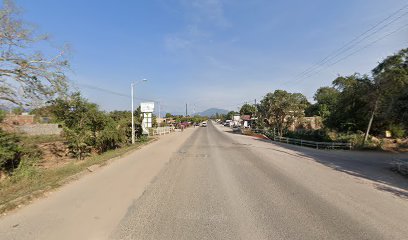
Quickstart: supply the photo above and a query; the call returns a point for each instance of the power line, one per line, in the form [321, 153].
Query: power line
[102, 90]
[353, 53]
[368, 45]
[327, 60]
[351, 44]
[353, 40]
[111, 92]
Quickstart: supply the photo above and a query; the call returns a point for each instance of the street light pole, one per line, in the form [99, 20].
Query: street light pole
[132, 85]
[133, 120]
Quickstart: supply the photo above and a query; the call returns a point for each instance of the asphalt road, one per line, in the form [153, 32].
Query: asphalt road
[212, 184]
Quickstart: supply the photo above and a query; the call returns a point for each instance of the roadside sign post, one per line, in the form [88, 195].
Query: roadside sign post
[147, 109]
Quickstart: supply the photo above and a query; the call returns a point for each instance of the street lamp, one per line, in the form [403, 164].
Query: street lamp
[133, 120]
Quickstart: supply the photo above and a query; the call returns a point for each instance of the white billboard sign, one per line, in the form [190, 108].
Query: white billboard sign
[147, 107]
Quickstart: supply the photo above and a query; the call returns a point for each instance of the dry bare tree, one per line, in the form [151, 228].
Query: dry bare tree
[27, 75]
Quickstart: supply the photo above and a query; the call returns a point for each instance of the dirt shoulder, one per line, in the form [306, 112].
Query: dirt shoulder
[90, 207]
[52, 173]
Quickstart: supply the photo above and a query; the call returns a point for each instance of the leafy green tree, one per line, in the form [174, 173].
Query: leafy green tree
[390, 81]
[75, 115]
[247, 109]
[154, 121]
[10, 151]
[281, 109]
[78, 142]
[231, 114]
[350, 110]
[369, 103]
[2, 115]
[312, 110]
[123, 120]
[112, 136]
[326, 100]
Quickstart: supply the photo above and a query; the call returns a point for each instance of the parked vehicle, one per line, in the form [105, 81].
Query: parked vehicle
[236, 128]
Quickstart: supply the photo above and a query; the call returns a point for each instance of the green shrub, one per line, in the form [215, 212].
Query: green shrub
[78, 142]
[111, 137]
[10, 151]
[26, 168]
[2, 115]
[320, 135]
[397, 131]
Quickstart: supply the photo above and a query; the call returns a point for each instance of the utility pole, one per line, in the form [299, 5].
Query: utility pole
[133, 120]
[159, 109]
[256, 108]
[186, 109]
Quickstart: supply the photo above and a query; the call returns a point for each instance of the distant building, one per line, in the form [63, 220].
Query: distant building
[26, 124]
[23, 119]
[165, 121]
[247, 121]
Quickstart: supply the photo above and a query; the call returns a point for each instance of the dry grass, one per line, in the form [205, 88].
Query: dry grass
[18, 190]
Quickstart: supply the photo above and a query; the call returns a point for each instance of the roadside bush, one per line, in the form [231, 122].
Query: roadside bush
[2, 115]
[111, 137]
[78, 142]
[397, 131]
[311, 135]
[26, 168]
[357, 140]
[10, 151]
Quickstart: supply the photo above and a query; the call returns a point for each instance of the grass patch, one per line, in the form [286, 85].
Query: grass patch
[23, 186]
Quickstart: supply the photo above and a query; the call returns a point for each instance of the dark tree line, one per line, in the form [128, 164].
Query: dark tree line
[357, 103]
[370, 103]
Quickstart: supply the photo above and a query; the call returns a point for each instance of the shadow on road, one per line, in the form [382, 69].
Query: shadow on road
[374, 166]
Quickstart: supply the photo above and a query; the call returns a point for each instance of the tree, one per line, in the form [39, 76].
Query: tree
[350, 109]
[326, 99]
[76, 115]
[2, 115]
[281, 109]
[390, 79]
[18, 110]
[231, 114]
[10, 150]
[112, 136]
[247, 109]
[168, 115]
[27, 76]
[154, 121]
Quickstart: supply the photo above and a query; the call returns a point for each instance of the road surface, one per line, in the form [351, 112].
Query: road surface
[207, 183]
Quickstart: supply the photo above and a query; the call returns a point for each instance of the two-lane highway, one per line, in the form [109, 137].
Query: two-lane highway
[217, 185]
[217, 188]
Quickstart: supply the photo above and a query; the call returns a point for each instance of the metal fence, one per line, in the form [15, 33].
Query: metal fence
[317, 145]
[161, 130]
[400, 165]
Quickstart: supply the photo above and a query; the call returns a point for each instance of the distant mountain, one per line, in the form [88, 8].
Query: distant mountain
[212, 111]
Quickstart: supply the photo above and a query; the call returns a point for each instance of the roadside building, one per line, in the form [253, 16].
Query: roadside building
[26, 123]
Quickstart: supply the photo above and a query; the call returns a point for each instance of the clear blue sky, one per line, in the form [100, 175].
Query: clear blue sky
[211, 53]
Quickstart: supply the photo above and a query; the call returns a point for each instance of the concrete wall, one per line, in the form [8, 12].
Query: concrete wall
[40, 129]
